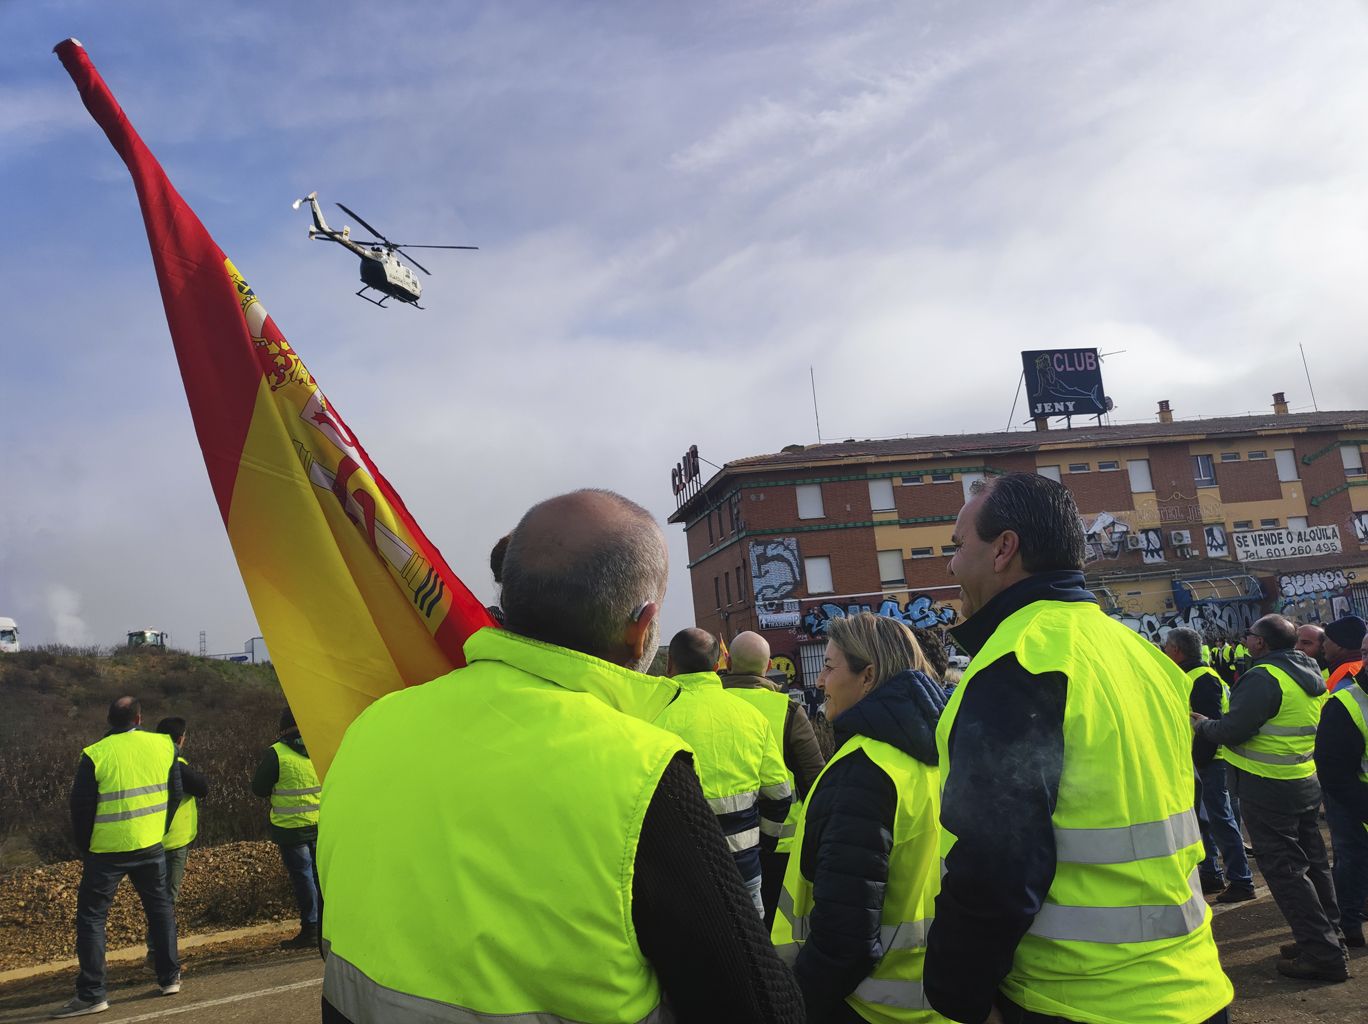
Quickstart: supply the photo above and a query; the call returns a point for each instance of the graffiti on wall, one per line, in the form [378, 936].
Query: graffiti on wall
[1314, 596]
[1151, 546]
[920, 611]
[1231, 618]
[1360, 523]
[1104, 537]
[1217, 546]
[775, 568]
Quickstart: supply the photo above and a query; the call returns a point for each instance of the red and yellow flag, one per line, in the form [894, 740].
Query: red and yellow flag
[352, 599]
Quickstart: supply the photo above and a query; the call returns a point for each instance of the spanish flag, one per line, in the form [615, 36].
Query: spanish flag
[352, 600]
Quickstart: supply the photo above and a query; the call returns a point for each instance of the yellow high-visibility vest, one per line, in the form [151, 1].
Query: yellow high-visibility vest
[294, 797]
[775, 707]
[1355, 701]
[892, 993]
[185, 822]
[132, 770]
[478, 841]
[1285, 745]
[1124, 934]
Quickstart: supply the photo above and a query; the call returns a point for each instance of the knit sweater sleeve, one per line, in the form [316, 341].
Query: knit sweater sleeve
[695, 920]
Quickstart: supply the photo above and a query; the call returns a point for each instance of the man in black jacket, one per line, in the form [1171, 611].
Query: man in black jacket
[1342, 764]
[1281, 813]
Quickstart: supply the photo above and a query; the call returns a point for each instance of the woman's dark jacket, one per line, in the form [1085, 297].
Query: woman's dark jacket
[848, 837]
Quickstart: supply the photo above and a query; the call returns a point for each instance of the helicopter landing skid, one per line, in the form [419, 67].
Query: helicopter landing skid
[381, 302]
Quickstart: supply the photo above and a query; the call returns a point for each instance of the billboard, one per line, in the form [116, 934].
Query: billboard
[1256, 545]
[1064, 382]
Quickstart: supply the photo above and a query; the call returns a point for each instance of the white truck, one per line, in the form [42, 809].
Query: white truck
[9, 636]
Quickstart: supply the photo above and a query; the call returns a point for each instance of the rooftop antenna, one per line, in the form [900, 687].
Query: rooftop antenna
[1308, 378]
[1012, 415]
[812, 377]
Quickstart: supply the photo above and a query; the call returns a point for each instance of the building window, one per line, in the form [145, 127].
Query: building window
[818, 575]
[1050, 472]
[911, 481]
[731, 518]
[717, 592]
[740, 593]
[949, 549]
[1230, 456]
[1079, 467]
[1268, 524]
[711, 538]
[810, 501]
[1255, 456]
[719, 523]
[1108, 467]
[891, 569]
[1139, 475]
[942, 476]
[1244, 524]
[726, 576]
[1287, 464]
[881, 495]
[921, 552]
[1353, 459]
[1202, 471]
[1296, 522]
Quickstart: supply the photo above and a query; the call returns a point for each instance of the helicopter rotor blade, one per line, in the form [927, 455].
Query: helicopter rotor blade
[424, 269]
[407, 245]
[362, 221]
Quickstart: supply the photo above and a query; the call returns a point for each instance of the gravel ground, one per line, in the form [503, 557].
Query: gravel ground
[225, 887]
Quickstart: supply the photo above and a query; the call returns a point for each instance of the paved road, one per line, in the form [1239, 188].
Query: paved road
[245, 985]
[233, 987]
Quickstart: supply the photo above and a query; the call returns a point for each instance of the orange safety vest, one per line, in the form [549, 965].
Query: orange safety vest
[1342, 672]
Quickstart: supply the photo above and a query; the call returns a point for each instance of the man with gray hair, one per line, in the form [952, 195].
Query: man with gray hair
[746, 678]
[1220, 829]
[515, 838]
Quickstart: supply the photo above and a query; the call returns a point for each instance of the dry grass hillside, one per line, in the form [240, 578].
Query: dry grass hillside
[53, 703]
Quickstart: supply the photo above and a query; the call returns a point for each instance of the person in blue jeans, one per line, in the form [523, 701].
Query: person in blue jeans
[287, 778]
[1220, 827]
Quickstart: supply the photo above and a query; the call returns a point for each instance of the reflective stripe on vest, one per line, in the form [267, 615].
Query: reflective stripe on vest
[775, 707]
[1284, 746]
[297, 783]
[892, 992]
[185, 823]
[132, 770]
[358, 998]
[1122, 934]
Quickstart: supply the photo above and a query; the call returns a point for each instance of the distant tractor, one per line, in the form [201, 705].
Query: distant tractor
[154, 638]
[9, 636]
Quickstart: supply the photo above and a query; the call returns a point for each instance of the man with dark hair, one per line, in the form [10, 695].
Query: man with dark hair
[1268, 739]
[184, 823]
[1069, 838]
[803, 761]
[125, 794]
[1210, 697]
[516, 837]
[737, 754]
[285, 776]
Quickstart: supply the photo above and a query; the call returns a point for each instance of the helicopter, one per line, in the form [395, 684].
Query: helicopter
[382, 270]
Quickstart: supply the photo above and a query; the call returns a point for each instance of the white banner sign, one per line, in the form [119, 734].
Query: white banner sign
[778, 614]
[1257, 545]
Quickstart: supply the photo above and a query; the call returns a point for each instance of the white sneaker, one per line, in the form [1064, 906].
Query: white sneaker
[171, 987]
[79, 1007]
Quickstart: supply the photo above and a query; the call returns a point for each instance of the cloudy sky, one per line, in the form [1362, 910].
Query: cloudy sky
[680, 208]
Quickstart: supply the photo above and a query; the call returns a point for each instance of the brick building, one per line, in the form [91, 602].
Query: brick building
[1208, 523]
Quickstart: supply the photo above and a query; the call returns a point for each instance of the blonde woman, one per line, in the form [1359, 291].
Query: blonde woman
[858, 897]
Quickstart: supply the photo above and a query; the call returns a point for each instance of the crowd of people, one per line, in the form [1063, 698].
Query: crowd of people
[550, 834]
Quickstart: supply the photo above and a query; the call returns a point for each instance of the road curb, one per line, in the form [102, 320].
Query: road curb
[139, 951]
